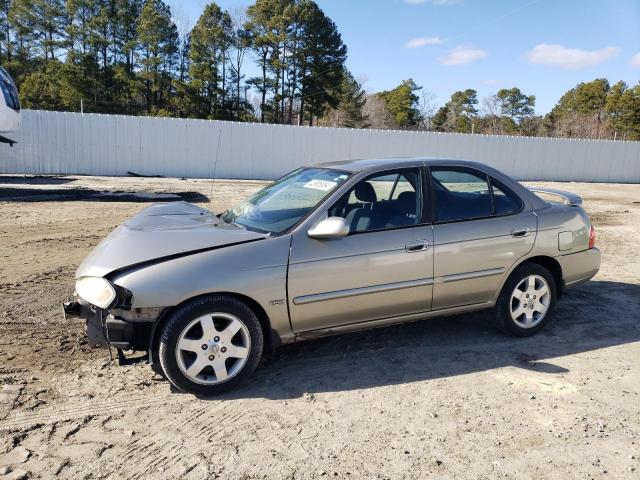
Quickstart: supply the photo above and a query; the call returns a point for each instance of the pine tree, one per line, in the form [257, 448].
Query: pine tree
[351, 104]
[402, 102]
[40, 24]
[5, 32]
[323, 55]
[210, 43]
[158, 38]
[265, 20]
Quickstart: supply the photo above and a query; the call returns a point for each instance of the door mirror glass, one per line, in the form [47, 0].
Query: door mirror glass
[332, 227]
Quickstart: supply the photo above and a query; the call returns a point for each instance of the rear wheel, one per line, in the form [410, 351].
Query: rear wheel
[210, 345]
[527, 300]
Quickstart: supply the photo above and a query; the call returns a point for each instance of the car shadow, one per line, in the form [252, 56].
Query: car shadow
[594, 316]
[35, 180]
[18, 194]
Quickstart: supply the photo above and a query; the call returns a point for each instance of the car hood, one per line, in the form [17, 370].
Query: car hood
[162, 230]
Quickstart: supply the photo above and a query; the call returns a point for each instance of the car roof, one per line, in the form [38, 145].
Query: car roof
[366, 164]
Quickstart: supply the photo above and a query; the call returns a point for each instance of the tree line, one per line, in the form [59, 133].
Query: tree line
[130, 56]
[593, 110]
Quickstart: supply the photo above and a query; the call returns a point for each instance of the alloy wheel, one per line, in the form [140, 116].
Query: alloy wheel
[213, 348]
[530, 301]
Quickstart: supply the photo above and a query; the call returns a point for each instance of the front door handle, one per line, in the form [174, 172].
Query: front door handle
[417, 246]
[520, 232]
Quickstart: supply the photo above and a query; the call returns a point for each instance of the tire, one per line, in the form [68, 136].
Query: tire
[233, 340]
[526, 316]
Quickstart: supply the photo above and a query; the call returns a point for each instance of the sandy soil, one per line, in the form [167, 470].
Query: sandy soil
[446, 398]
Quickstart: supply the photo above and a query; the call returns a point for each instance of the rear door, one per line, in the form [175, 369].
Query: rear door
[382, 269]
[480, 230]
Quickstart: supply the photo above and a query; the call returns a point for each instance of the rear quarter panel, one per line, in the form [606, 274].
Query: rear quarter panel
[566, 227]
[562, 230]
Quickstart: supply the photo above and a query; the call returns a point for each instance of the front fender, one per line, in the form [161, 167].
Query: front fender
[257, 270]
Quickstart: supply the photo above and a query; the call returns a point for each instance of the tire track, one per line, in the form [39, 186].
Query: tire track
[160, 453]
[59, 413]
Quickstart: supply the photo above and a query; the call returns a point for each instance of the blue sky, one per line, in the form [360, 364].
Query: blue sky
[544, 47]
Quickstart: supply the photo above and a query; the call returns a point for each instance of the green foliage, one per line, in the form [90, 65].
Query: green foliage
[402, 102]
[5, 32]
[41, 23]
[42, 88]
[158, 39]
[126, 56]
[210, 42]
[266, 26]
[597, 110]
[627, 115]
[352, 99]
[458, 114]
[514, 104]
[349, 112]
[301, 58]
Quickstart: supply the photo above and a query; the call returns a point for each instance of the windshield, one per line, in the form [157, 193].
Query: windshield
[281, 205]
[9, 90]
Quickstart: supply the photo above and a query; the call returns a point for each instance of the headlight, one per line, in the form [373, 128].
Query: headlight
[97, 291]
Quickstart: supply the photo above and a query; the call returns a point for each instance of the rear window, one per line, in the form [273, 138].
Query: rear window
[504, 202]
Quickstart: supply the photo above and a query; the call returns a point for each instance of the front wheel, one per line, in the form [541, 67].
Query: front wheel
[210, 345]
[527, 300]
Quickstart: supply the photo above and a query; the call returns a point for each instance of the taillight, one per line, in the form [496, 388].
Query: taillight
[592, 237]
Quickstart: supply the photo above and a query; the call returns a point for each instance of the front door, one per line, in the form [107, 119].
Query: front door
[382, 269]
[480, 231]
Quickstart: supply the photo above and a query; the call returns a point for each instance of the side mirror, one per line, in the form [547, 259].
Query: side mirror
[332, 227]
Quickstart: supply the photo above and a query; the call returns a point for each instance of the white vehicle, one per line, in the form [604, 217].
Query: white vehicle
[9, 107]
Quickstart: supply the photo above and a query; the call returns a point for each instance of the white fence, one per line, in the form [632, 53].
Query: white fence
[92, 144]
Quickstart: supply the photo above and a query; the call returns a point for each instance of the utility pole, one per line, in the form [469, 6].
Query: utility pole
[81, 106]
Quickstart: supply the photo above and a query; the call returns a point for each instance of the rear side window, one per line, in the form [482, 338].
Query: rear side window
[504, 202]
[460, 195]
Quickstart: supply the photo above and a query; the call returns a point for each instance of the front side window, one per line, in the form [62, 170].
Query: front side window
[282, 204]
[384, 201]
[460, 195]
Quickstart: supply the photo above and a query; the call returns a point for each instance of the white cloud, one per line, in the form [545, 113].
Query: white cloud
[635, 60]
[569, 58]
[434, 2]
[423, 42]
[462, 55]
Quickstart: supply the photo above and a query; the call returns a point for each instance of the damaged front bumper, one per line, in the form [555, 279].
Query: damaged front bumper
[94, 321]
[109, 329]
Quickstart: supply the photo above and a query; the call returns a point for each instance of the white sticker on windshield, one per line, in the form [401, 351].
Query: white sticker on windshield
[324, 185]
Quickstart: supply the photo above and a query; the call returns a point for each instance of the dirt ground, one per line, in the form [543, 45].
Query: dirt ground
[445, 398]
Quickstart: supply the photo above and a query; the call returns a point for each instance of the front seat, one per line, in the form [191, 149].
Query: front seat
[405, 212]
[359, 219]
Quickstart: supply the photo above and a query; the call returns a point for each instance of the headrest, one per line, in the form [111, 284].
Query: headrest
[365, 192]
[407, 200]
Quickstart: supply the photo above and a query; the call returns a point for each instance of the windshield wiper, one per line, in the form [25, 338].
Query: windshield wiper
[224, 218]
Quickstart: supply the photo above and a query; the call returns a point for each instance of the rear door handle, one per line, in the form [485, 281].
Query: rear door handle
[520, 232]
[417, 246]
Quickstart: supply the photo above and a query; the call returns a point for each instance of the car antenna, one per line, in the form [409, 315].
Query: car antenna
[215, 164]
